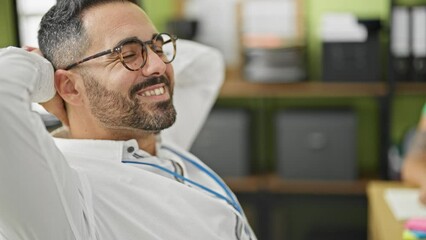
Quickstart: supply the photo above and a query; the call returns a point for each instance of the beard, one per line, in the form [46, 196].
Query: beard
[116, 111]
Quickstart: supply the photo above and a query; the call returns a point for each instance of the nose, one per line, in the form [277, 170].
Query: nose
[154, 65]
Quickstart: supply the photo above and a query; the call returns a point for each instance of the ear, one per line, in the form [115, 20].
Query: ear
[68, 86]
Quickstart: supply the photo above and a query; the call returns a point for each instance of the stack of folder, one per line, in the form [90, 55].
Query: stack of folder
[415, 229]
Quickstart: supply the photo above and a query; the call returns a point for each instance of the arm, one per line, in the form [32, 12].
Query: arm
[39, 193]
[199, 74]
[414, 165]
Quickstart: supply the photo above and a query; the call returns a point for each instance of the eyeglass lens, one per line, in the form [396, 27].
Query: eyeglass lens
[134, 53]
[164, 47]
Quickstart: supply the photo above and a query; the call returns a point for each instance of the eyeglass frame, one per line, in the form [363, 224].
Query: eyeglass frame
[119, 46]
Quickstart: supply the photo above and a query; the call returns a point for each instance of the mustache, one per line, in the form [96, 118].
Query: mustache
[149, 82]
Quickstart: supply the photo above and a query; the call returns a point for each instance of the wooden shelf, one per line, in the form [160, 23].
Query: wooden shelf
[235, 86]
[410, 88]
[277, 185]
[250, 184]
[274, 184]
[232, 89]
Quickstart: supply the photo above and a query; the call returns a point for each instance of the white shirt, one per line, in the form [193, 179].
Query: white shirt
[84, 190]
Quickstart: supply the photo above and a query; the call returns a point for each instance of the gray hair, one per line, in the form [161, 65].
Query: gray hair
[62, 38]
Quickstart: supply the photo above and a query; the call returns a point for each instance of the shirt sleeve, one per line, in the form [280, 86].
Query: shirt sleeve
[199, 74]
[40, 195]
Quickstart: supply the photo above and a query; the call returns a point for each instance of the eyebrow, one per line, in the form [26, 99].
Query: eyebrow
[125, 40]
[111, 55]
[134, 38]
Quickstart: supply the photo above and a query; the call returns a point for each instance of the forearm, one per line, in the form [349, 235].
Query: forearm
[414, 166]
[39, 193]
[199, 72]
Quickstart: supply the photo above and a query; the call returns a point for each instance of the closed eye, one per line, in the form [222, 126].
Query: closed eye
[157, 49]
[128, 57]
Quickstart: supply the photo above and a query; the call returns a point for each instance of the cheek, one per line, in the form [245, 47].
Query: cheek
[170, 74]
[120, 81]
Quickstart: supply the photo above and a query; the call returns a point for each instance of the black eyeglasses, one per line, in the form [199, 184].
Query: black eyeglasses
[133, 52]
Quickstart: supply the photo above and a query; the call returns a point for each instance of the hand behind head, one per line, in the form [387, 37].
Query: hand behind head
[33, 50]
[422, 196]
[55, 105]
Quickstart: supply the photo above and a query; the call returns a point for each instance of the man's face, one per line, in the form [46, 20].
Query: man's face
[117, 97]
[117, 111]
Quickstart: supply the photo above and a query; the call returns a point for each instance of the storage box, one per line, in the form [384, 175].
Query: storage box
[223, 143]
[354, 60]
[274, 65]
[316, 144]
[351, 62]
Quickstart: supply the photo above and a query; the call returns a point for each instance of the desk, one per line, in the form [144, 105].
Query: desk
[381, 223]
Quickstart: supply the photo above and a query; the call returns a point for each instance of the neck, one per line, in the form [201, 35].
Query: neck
[89, 128]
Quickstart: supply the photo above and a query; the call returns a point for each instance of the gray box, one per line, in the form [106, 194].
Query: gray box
[274, 65]
[354, 61]
[351, 61]
[223, 143]
[316, 144]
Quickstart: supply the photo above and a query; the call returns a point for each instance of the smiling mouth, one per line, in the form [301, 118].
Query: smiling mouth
[153, 92]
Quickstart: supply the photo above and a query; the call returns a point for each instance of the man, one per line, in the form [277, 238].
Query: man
[113, 177]
[414, 165]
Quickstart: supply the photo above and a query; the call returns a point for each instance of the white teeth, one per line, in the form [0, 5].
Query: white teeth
[155, 92]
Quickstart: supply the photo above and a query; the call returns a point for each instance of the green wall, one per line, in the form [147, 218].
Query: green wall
[7, 24]
[406, 113]
[160, 11]
[410, 2]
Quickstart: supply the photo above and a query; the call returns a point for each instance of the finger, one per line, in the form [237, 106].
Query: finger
[61, 115]
[37, 51]
[63, 118]
[60, 111]
[423, 197]
[32, 50]
[28, 48]
[56, 107]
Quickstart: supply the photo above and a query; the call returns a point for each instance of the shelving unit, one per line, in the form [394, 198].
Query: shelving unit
[268, 197]
[263, 190]
[410, 88]
[236, 86]
[269, 192]
[266, 193]
[275, 185]
[245, 89]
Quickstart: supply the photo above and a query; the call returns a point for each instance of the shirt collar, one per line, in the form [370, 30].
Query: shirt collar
[109, 150]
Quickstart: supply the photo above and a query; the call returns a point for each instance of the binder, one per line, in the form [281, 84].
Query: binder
[419, 43]
[400, 43]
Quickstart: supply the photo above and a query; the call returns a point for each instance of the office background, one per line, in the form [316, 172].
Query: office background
[299, 141]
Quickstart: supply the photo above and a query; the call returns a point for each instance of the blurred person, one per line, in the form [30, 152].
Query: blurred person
[414, 164]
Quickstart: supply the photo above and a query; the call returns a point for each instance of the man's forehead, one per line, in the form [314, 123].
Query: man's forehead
[111, 23]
